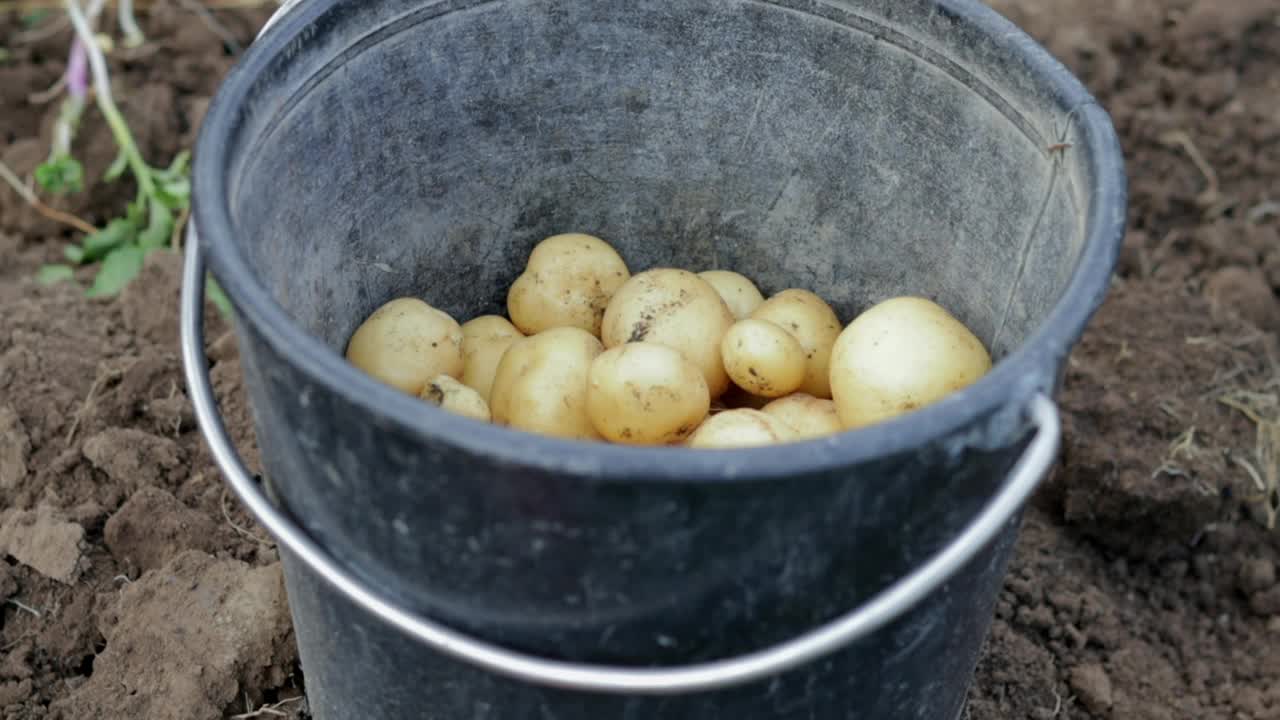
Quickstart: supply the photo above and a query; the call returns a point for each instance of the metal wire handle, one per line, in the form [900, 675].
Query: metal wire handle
[285, 7]
[872, 615]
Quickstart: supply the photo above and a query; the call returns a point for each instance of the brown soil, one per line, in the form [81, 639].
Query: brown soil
[1145, 584]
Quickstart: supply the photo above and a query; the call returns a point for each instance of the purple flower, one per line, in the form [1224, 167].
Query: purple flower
[78, 71]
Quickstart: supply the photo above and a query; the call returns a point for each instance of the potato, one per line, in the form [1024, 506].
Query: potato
[674, 308]
[541, 384]
[488, 327]
[568, 282]
[449, 394]
[484, 340]
[899, 356]
[762, 358]
[405, 343]
[740, 429]
[646, 394]
[811, 321]
[811, 417]
[740, 294]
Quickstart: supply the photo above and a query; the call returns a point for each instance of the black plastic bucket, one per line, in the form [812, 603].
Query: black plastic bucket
[442, 568]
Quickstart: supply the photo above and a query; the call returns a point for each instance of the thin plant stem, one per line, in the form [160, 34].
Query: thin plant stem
[106, 101]
[11, 178]
[133, 36]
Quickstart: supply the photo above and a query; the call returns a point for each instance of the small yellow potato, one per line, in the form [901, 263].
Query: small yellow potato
[541, 384]
[646, 394]
[762, 358]
[811, 417]
[449, 394]
[740, 429]
[484, 341]
[488, 327]
[675, 308]
[405, 343]
[900, 356]
[568, 282]
[811, 321]
[739, 293]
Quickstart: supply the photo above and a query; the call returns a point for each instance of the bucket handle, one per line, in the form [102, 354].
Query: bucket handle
[881, 609]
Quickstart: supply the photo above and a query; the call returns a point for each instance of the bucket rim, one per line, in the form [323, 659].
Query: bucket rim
[1028, 369]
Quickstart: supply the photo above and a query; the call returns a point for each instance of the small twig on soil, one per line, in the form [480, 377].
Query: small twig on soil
[272, 709]
[1181, 138]
[1057, 705]
[1184, 444]
[48, 95]
[1250, 470]
[22, 606]
[1265, 470]
[29, 195]
[215, 26]
[18, 641]
[102, 379]
[84, 407]
[1171, 407]
[226, 514]
[1263, 211]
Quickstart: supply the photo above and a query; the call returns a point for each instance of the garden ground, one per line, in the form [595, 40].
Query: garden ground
[1144, 586]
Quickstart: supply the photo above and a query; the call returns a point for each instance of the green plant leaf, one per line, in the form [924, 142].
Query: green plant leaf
[74, 254]
[159, 228]
[62, 175]
[117, 233]
[176, 194]
[118, 166]
[120, 267]
[136, 211]
[54, 274]
[173, 186]
[214, 293]
[178, 168]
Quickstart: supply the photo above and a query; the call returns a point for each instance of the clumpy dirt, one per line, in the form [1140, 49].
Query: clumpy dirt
[131, 586]
[1145, 581]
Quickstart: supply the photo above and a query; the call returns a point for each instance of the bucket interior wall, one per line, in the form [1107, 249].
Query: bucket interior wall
[804, 144]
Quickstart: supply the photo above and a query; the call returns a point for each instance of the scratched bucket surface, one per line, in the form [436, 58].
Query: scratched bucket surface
[363, 151]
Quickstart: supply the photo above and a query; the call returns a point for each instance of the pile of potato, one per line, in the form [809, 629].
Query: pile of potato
[667, 356]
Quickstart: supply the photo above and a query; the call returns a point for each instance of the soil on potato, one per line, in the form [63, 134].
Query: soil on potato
[1145, 581]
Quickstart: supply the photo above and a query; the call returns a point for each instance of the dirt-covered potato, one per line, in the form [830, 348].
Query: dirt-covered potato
[405, 343]
[740, 429]
[899, 356]
[568, 282]
[447, 393]
[541, 384]
[762, 358]
[484, 340]
[675, 308]
[811, 417]
[739, 293]
[811, 321]
[646, 394]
